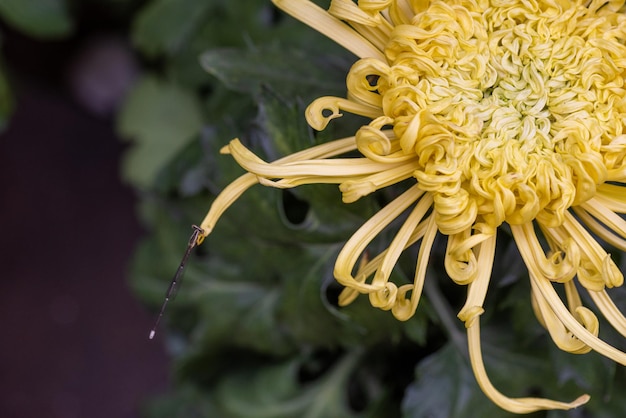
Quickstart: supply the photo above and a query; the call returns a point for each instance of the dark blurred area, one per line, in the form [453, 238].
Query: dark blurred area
[74, 339]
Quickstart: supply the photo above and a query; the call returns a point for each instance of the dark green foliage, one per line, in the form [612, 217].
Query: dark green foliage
[42, 18]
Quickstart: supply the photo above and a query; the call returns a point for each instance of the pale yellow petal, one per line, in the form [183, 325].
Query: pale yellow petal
[461, 266]
[515, 405]
[227, 197]
[613, 197]
[234, 190]
[611, 228]
[602, 262]
[372, 26]
[405, 308]
[316, 112]
[545, 288]
[352, 250]
[368, 266]
[319, 19]
[354, 189]
[395, 249]
[477, 290]
[609, 310]
[336, 167]
[562, 337]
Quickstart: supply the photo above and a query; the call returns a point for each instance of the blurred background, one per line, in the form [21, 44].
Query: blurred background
[74, 339]
[96, 97]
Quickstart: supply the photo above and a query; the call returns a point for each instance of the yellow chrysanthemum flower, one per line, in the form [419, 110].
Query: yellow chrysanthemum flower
[499, 112]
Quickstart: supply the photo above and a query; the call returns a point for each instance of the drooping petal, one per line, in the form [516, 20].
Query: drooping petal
[352, 250]
[549, 302]
[477, 289]
[515, 405]
[609, 310]
[562, 337]
[571, 323]
[609, 273]
[383, 298]
[612, 228]
[405, 308]
[368, 266]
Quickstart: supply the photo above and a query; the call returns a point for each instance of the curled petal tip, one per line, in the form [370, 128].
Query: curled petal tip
[580, 401]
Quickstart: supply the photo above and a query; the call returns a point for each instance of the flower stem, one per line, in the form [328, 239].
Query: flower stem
[446, 315]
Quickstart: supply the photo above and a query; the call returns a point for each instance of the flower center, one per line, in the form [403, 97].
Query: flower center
[510, 108]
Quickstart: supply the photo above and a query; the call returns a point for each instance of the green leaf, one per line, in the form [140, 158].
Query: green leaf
[164, 26]
[445, 385]
[160, 118]
[590, 373]
[445, 388]
[312, 318]
[38, 18]
[290, 72]
[239, 313]
[275, 392]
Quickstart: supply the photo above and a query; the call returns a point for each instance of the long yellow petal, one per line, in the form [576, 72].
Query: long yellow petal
[368, 266]
[612, 196]
[234, 190]
[404, 309]
[319, 19]
[515, 405]
[568, 320]
[477, 289]
[399, 242]
[609, 310]
[336, 167]
[611, 227]
[352, 250]
[562, 337]
[611, 275]
[372, 26]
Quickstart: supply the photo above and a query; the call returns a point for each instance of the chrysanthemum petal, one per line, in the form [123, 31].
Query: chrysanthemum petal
[461, 266]
[315, 112]
[477, 290]
[352, 250]
[234, 190]
[602, 262]
[227, 197]
[398, 243]
[515, 405]
[403, 308]
[372, 26]
[589, 213]
[609, 310]
[367, 267]
[613, 197]
[336, 167]
[319, 19]
[545, 288]
[562, 337]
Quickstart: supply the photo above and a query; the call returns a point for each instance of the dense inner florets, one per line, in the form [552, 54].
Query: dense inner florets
[511, 108]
